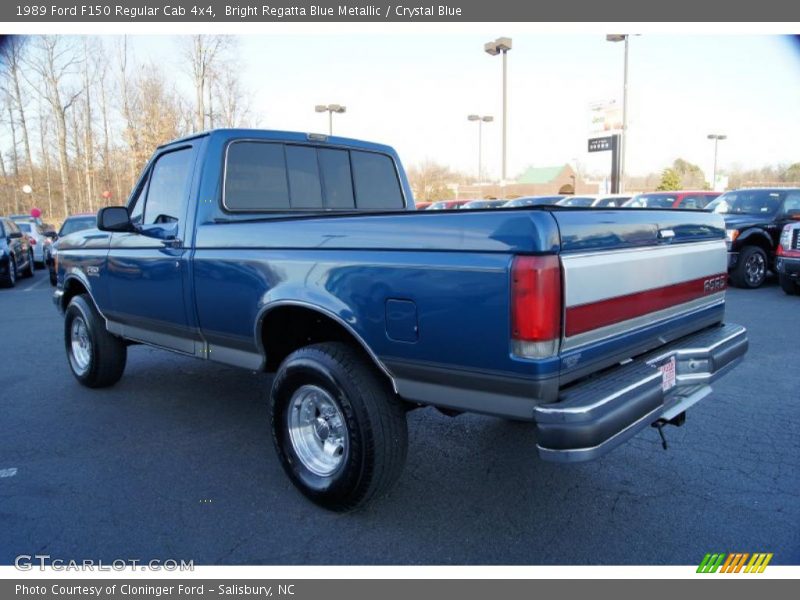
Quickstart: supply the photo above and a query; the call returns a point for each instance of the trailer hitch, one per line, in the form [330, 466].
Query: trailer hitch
[659, 424]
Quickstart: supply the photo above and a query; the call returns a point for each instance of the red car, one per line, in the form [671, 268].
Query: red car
[677, 199]
[422, 205]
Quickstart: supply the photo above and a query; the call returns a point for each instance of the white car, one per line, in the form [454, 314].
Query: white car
[595, 200]
[39, 241]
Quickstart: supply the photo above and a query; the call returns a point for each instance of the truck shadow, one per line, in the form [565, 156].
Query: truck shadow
[473, 491]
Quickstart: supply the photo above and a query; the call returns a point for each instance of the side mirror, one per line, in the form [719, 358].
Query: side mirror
[114, 218]
[14, 235]
[51, 234]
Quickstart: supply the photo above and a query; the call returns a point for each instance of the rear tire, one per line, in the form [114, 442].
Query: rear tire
[10, 278]
[751, 270]
[789, 285]
[31, 267]
[96, 358]
[339, 430]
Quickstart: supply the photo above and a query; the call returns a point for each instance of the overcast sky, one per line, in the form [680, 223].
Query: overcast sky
[414, 92]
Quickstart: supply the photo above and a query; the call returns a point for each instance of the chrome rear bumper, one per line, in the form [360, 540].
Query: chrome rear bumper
[599, 413]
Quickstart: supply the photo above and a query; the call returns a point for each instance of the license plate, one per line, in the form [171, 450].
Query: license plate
[668, 374]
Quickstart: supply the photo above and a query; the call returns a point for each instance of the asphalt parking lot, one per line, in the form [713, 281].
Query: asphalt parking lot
[175, 462]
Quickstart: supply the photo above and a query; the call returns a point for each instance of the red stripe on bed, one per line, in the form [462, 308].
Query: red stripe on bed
[613, 310]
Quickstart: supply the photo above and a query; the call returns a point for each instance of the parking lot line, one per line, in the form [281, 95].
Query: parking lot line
[34, 285]
[8, 472]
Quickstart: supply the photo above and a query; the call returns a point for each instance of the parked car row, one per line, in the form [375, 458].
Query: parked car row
[681, 199]
[754, 219]
[27, 242]
[16, 253]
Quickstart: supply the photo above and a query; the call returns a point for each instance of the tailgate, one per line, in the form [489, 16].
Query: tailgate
[636, 279]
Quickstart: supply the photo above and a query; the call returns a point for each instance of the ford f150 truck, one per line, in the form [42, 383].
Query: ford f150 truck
[303, 255]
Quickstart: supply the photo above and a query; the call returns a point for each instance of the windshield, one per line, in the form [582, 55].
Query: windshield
[26, 227]
[748, 202]
[652, 201]
[77, 224]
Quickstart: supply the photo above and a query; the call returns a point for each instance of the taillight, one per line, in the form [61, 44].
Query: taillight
[535, 306]
[786, 238]
[32, 241]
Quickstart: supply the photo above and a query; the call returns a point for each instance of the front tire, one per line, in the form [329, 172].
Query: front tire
[751, 270]
[339, 430]
[96, 358]
[789, 285]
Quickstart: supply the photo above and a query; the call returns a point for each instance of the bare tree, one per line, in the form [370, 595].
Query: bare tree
[89, 49]
[203, 54]
[11, 57]
[102, 81]
[429, 180]
[54, 61]
[45, 156]
[233, 108]
[14, 154]
[131, 135]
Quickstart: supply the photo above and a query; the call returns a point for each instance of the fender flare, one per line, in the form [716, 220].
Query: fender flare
[269, 307]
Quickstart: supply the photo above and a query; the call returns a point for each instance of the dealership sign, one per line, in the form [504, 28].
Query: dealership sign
[605, 117]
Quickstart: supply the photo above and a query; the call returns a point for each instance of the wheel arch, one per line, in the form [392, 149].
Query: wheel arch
[284, 326]
[756, 237]
[74, 285]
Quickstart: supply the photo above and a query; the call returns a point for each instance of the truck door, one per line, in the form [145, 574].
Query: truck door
[147, 268]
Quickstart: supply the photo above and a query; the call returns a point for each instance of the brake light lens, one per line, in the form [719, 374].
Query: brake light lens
[32, 241]
[535, 306]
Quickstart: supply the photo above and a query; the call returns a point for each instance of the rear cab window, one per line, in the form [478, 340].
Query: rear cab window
[273, 176]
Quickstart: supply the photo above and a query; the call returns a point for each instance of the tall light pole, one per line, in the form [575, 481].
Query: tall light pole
[481, 120]
[502, 45]
[622, 37]
[716, 137]
[330, 109]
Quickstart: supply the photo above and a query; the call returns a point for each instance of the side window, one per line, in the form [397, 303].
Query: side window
[136, 205]
[2, 230]
[336, 179]
[791, 206]
[304, 185]
[255, 177]
[375, 181]
[169, 184]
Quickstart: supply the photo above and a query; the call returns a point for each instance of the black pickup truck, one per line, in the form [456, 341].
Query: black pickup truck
[754, 219]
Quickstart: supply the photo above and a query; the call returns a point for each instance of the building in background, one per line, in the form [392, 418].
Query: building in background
[534, 181]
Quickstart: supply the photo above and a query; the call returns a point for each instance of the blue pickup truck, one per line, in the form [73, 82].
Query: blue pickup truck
[303, 255]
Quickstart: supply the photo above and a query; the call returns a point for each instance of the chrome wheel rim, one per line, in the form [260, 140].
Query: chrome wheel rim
[317, 430]
[755, 268]
[80, 345]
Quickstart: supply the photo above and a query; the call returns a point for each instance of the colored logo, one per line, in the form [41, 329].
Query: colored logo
[735, 562]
